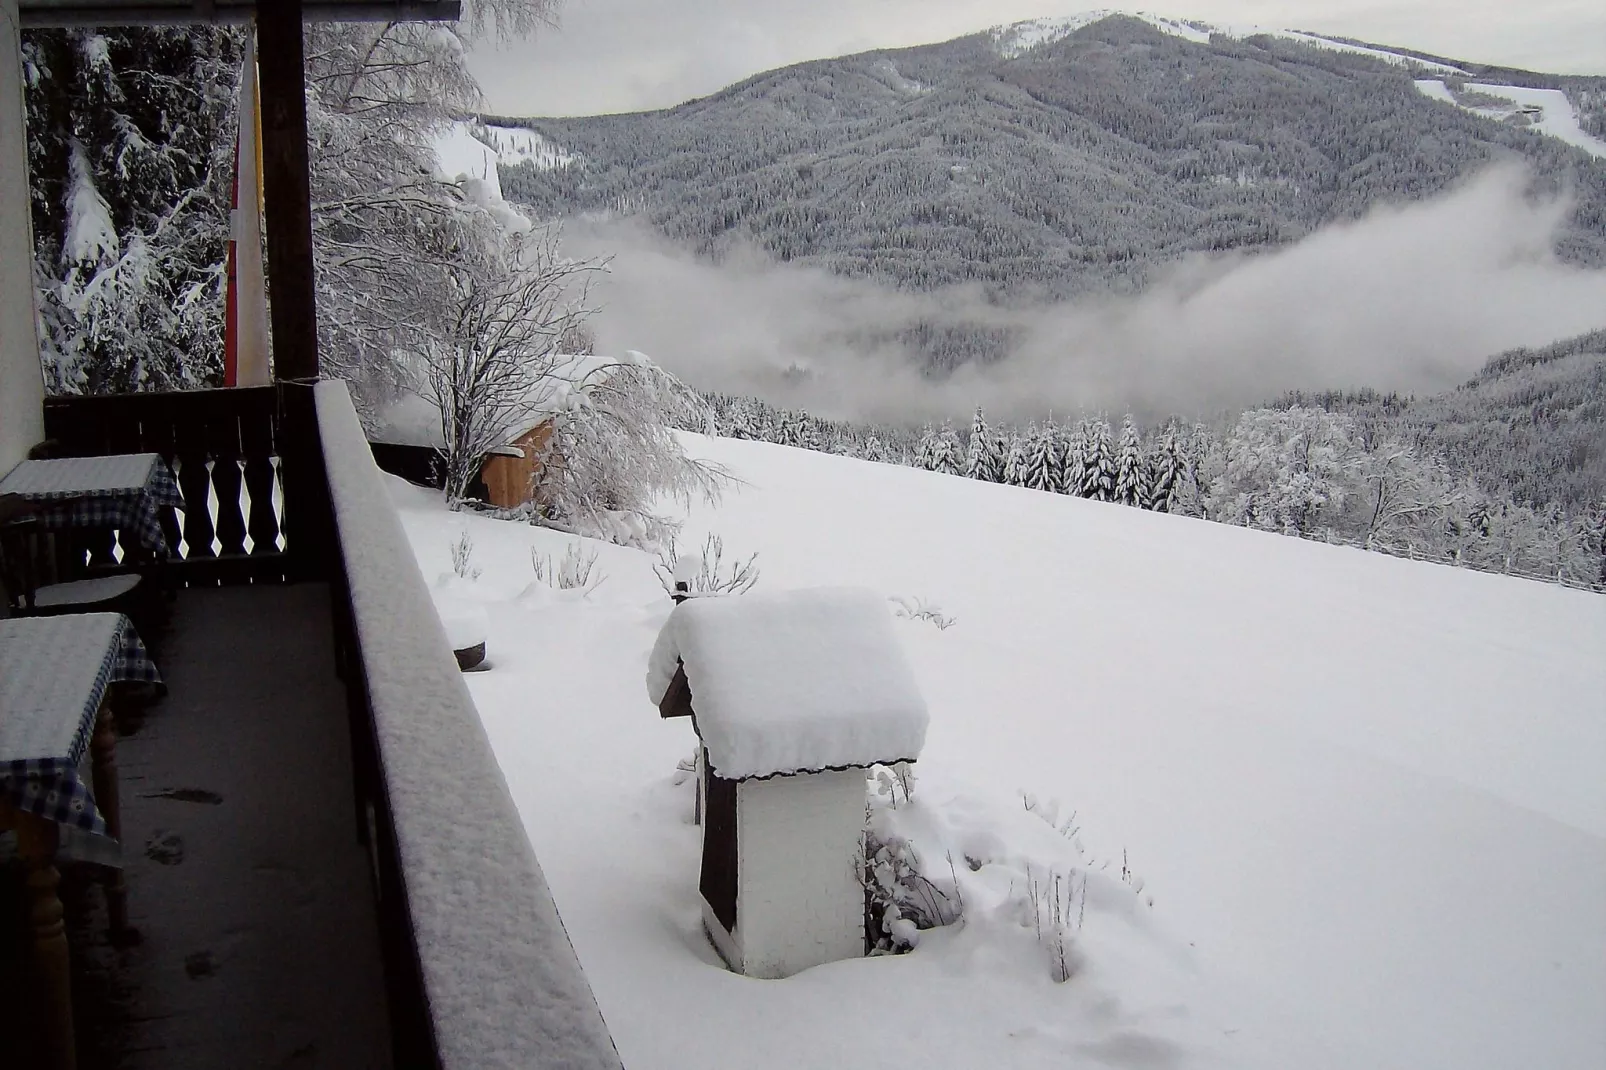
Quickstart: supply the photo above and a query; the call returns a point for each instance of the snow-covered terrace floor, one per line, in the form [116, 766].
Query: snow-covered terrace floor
[248, 886]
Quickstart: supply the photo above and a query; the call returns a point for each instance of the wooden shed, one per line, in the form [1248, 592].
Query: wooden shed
[793, 696]
[511, 473]
[407, 437]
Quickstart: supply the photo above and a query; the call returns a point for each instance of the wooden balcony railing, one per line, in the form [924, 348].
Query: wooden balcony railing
[227, 449]
[279, 486]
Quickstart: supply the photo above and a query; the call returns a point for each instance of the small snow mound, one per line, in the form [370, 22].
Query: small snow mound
[793, 681]
[465, 621]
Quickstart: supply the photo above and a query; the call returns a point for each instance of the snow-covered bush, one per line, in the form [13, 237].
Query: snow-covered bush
[707, 573]
[463, 557]
[1059, 907]
[920, 609]
[576, 571]
[614, 455]
[899, 900]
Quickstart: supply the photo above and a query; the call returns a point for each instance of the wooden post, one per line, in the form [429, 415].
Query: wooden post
[103, 759]
[36, 843]
[287, 191]
[22, 383]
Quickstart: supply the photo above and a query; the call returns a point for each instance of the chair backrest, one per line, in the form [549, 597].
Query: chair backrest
[19, 563]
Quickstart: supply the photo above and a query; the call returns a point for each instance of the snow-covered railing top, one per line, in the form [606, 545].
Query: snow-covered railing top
[790, 682]
[503, 984]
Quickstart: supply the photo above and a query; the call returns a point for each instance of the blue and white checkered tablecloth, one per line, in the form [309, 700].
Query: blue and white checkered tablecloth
[125, 492]
[53, 675]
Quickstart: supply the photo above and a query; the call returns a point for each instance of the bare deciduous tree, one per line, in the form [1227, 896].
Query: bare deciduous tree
[508, 307]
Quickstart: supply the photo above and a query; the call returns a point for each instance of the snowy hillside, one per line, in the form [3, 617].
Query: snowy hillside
[1324, 808]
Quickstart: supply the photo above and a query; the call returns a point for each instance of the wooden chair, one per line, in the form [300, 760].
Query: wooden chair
[30, 584]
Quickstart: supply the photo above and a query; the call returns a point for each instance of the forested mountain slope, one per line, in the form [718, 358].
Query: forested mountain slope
[1530, 426]
[1075, 165]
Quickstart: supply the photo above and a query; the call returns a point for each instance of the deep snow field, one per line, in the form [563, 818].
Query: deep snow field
[1366, 797]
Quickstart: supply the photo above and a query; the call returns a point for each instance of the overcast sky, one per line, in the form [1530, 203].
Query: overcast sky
[626, 55]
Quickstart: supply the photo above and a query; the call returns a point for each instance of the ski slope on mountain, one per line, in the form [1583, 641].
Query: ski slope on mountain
[1358, 801]
[1549, 111]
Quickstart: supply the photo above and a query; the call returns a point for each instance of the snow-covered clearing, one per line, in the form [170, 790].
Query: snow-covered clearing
[1435, 88]
[1549, 109]
[1365, 795]
[461, 155]
[515, 144]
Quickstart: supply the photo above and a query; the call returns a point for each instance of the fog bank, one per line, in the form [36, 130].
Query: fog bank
[1411, 298]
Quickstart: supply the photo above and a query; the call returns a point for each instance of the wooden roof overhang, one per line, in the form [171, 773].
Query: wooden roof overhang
[40, 13]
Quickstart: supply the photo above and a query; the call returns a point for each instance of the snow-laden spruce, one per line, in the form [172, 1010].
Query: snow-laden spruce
[793, 681]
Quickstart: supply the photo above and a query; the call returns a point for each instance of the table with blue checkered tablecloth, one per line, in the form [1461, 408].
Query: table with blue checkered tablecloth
[54, 672]
[124, 492]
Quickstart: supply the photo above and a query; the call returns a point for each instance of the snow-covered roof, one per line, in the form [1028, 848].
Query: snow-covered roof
[414, 420]
[793, 681]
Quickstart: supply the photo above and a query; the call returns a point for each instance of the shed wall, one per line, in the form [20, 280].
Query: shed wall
[799, 898]
[510, 481]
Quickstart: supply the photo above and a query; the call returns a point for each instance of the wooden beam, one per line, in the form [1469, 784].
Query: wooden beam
[43, 13]
[22, 383]
[677, 699]
[287, 192]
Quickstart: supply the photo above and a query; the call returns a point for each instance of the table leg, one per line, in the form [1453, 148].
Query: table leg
[103, 759]
[36, 843]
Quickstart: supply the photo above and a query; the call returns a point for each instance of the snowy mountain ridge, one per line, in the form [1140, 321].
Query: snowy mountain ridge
[1018, 38]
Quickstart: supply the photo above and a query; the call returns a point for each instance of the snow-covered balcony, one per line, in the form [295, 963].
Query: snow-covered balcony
[322, 857]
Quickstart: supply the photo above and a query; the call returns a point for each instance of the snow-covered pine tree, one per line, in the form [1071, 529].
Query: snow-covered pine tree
[1595, 525]
[926, 452]
[130, 133]
[1098, 462]
[950, 456]
[1166, 472]
[1073, 445]
[983, 458]
[1056, 459]
[789, 429]
[1016, 465]
[1130, 488]
[1042, 461]
[738, 420]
